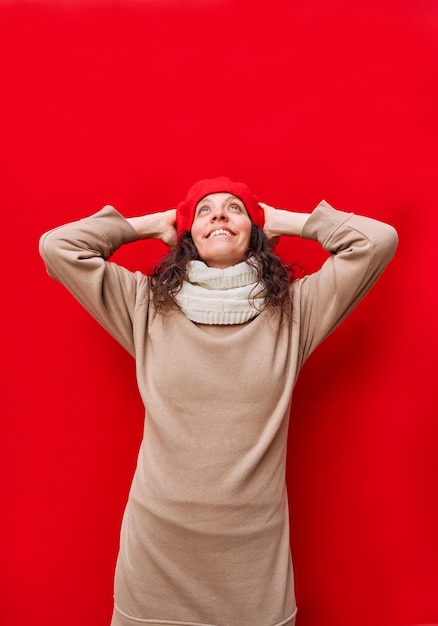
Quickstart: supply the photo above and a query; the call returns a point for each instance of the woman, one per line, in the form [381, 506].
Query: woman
[219, 334]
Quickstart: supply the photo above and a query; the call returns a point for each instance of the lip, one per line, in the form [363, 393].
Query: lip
[220, 228]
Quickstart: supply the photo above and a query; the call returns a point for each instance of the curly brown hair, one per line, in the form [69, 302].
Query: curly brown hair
[273, 274]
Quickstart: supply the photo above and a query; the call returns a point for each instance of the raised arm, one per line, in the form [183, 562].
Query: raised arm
[279, 222]
[77, 254]
[156, 226]
[360, 249]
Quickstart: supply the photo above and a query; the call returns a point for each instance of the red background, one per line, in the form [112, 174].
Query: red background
[129, 103]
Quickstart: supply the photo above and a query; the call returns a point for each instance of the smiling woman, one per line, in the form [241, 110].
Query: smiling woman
[206, 212]
[221, 230]
[205, 534]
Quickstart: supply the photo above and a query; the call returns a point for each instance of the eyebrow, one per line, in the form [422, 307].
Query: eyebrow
[230, 197]
[206, 200]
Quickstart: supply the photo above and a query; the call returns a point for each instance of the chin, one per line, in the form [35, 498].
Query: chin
[221, 263]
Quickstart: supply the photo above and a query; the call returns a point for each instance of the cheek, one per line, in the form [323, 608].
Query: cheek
[248, 236]
[195, 235]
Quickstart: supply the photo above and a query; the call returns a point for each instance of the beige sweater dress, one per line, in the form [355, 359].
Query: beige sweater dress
[205, 534]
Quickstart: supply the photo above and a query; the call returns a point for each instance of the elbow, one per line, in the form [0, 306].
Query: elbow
[42, 246]
[391, 240]
[385, 245]
[48, 250]
[45, 246]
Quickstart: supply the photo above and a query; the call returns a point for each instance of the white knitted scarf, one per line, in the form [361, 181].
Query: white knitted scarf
[221, 296]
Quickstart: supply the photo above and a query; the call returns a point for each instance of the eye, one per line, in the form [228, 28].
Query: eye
[235, 207]
[203, 209]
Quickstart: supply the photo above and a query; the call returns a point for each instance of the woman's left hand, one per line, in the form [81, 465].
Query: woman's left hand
[279, 222]
[268, 228]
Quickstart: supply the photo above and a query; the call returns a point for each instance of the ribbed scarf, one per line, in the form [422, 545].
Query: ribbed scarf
[221, 296]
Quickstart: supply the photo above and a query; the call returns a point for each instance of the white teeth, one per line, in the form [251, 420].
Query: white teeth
[220, 231]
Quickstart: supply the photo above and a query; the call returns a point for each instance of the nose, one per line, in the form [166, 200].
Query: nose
[218, 213]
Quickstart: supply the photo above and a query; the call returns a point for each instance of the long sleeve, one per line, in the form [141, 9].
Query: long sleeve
[76, 255]
[360, 249]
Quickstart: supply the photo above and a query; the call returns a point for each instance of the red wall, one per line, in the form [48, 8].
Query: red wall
[129, 103]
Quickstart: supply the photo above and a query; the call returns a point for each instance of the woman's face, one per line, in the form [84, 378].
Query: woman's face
[221, 230]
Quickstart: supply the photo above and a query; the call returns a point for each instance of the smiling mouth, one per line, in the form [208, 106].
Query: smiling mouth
[220, 231]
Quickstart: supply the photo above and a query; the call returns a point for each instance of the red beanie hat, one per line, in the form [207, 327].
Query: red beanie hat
[185, 211]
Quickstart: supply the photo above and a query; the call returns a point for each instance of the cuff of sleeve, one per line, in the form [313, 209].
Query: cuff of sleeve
[114, 226]
[324, 219]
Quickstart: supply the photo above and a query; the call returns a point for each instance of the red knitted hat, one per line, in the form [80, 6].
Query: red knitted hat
[185, 211]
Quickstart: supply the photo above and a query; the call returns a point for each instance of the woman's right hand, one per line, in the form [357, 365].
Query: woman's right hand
[160, 225]
[168, 234]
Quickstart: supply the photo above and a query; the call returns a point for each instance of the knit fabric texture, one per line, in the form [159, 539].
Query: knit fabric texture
[221, 296]
[185, 211]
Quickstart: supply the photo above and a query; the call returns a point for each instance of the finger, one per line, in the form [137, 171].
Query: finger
[266, 207]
